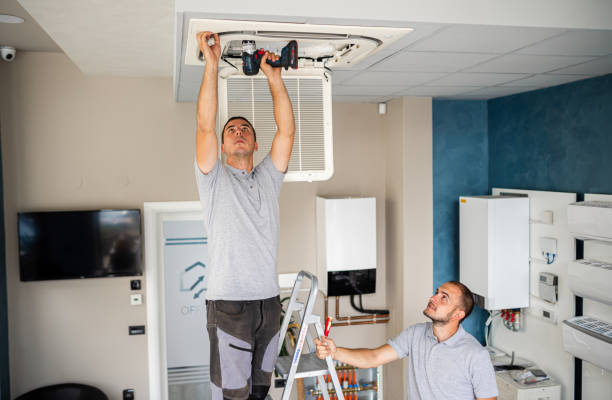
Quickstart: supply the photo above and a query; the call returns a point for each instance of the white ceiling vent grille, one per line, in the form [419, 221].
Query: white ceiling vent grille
[311, 159]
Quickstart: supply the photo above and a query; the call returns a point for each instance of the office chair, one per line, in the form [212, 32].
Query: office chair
[64, 391]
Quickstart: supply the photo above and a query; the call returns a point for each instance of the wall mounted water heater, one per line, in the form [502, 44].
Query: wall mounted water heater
[494, 250]
[346, 245]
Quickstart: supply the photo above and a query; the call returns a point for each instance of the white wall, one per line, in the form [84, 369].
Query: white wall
[76, 142]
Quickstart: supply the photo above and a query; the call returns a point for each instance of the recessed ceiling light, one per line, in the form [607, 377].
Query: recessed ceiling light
[10, 19]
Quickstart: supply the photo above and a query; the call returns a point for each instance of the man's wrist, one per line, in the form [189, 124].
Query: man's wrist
[275, 80]
[212, 66]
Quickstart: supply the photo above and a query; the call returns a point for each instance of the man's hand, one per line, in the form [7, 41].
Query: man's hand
[212, 54]
[325, 347]
[271, 72]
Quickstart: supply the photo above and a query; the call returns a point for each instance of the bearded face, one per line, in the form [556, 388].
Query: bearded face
[443, 306]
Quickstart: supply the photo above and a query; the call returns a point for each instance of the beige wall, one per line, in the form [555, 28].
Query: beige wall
[409, 211]
[76, 142]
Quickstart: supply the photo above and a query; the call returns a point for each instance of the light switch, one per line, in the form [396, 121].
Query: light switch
[136, 299]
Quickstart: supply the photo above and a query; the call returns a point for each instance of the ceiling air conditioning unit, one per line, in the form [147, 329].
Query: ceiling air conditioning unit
[321, 50]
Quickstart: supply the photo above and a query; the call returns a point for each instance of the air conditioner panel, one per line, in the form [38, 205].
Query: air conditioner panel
[341, 46]
[312, 155]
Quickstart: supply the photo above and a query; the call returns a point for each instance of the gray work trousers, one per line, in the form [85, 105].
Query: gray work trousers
[243, 347]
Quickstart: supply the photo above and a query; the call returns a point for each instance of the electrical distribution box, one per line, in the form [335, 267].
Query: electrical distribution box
[494, 249]
[346, 245]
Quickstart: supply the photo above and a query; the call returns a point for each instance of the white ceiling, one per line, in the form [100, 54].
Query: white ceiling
[27, 36]
[450, 54]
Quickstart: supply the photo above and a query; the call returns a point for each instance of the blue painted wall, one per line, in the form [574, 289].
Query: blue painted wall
[4, 349]
[557, 139]
[460, 167]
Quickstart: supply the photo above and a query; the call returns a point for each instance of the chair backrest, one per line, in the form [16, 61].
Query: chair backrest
[64, 391]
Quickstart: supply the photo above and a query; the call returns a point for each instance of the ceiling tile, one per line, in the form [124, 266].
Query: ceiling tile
[546, 80]
[600, 66]
[574, 43]
[421, 30]
[373, 59]
[484, 39]
[355, 90]
[339, 76]
[437, 91]
[399, 80]
[476, 79]
[430, 61]
[524, 63]
[358, 99]
[495, 91]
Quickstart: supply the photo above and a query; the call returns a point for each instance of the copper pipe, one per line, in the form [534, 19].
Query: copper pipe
[374, 321]
[356, 317]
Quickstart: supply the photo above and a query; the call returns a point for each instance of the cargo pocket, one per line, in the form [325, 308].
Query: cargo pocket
[235, 357]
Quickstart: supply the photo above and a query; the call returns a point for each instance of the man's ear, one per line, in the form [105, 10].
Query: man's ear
[458, 315]
[222, 148]
[256, 146]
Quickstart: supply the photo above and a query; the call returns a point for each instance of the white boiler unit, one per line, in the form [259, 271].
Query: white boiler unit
[346, 245]
[494, 249]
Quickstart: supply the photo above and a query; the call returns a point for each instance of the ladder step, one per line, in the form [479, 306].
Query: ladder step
[310, 365]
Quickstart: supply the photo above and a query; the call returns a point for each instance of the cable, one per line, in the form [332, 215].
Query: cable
[364, 311]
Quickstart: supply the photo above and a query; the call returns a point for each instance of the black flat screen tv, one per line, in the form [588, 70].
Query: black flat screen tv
[79, 244]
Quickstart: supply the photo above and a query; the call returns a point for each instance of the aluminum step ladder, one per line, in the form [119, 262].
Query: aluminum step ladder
[300, 364]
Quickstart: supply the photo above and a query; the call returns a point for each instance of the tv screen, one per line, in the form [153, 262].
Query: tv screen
[79, 244]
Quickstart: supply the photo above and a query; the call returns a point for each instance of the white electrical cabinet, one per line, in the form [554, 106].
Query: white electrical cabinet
[346, 245]
[509, 389]
[494, 249]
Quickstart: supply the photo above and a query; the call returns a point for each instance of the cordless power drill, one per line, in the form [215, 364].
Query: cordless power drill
[251, 57]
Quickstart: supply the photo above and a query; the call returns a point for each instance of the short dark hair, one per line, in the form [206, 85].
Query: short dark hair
[467, 298]
[233, 118]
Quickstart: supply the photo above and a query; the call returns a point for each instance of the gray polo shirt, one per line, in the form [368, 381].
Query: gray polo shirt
[458, 368]
[241, 218]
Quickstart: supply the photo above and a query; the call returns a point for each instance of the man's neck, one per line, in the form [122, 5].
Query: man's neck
[443, 331]
[240, 162]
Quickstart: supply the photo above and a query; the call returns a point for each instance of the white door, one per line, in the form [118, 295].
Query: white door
[176, 249]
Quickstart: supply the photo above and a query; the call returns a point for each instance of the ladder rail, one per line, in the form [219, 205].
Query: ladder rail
[304, 337]
[305, 316]
[287, 317]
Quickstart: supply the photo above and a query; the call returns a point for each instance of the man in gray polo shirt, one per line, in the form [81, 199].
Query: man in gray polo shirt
[445, 362]
[241, 216]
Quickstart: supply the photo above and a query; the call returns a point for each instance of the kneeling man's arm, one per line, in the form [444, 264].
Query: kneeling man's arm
[360, 358]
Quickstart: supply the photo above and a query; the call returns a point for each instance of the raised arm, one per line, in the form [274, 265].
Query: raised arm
[206, 138]
[283, 115]
[360, 358]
